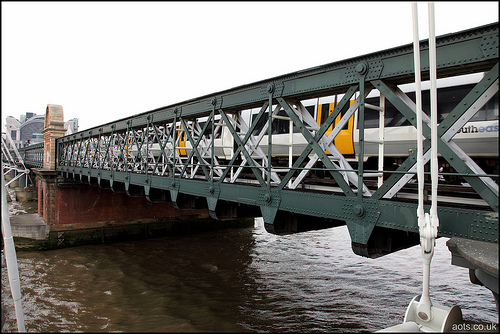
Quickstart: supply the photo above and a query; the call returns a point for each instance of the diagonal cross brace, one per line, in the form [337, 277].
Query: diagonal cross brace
[322, 130]
[194, 149]
[254, 147]
[241, 147]
[316, 147]
[162, 147]
[327, 143]
[448, 149]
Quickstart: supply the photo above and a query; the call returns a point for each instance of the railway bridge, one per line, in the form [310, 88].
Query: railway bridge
[224, 152]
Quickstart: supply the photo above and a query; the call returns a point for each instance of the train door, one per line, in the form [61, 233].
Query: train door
[182, 141]
[344, 140]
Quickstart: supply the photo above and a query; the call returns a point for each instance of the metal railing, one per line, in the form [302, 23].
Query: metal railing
[32, 155]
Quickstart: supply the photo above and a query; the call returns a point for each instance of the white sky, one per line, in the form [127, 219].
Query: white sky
[104, 61]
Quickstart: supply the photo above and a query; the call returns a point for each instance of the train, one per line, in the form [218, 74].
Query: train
[478, 137]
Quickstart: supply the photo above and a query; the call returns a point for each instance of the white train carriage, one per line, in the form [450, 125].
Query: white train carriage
[478, 138]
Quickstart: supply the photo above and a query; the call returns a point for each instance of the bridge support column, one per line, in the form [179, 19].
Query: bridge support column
[53, 129]
[46, 191]
[77, 213]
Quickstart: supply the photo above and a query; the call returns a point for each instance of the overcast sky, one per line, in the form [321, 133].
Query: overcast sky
[103, 61]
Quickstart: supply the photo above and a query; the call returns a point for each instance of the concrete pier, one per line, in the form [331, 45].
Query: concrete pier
[25, 194]
[29, 226]
[481, 258]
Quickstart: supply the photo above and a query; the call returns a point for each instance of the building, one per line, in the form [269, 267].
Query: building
[28, 130]
[12, 126]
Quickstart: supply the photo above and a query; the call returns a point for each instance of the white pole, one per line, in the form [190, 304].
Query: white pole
[434, 142]
[423, 309]
[11, 260]
[290, 148]
[418, 97]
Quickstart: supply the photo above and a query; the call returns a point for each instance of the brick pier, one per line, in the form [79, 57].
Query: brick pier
[77, 213]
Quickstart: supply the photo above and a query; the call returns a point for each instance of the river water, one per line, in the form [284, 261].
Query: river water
[235, 280]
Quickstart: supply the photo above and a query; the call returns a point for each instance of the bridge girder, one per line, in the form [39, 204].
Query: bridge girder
[177, 150]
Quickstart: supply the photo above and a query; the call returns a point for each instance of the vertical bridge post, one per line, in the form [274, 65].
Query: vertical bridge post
[53, 129]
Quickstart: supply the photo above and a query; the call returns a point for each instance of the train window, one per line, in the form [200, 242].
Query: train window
[392, 116]
[372, 116]
[260, 124]
[342, 113]
[310, 109]
[479, 116]
[281, 125]
[325, 112]
[208, 130]
[491, 109]
[448, 99]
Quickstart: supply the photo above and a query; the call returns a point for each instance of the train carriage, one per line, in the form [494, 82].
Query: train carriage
[478, 138]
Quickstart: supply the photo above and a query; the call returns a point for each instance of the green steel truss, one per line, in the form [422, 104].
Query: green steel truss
[146, 151]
